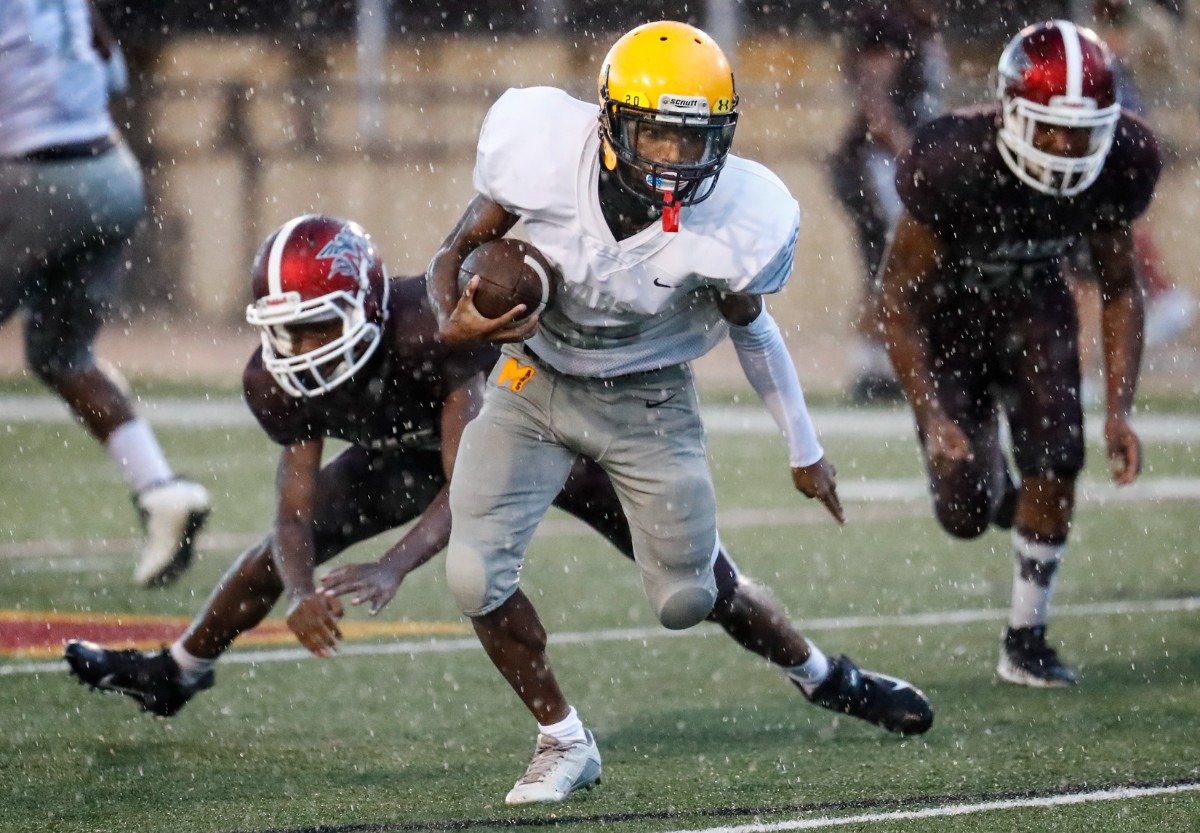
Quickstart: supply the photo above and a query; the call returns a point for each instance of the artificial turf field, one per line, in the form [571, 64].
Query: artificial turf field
[411, 728]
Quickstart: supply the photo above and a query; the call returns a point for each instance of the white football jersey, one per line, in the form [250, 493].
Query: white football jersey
[53, 86]
[648, 301]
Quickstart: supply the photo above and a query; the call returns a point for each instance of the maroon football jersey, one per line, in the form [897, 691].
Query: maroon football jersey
[393, 402]
[996, 230]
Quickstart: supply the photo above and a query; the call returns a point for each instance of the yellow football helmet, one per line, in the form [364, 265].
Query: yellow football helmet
[669, 112]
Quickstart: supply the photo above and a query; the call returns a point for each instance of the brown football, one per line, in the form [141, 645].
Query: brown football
[510, 272]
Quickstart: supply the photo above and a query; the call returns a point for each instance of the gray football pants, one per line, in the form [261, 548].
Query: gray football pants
[62, 229]
[643, 429]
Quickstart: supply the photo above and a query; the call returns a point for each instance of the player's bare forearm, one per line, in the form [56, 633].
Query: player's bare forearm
[292, 552]
[483, 220]
[296, 484]
[908, 265]
[1122, 317]
[1121, 324]
[428, 536]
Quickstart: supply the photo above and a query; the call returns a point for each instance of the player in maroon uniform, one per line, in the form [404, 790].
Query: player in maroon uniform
[349, 354]
[979, 318]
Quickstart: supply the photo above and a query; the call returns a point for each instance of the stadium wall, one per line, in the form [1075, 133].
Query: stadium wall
[239, 134]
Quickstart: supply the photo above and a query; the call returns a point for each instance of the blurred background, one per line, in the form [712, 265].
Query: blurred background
[244, 114]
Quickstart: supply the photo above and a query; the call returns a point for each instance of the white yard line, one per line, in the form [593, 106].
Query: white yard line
[718, 419]
[837, 623]
[825, 822]
[872, 500]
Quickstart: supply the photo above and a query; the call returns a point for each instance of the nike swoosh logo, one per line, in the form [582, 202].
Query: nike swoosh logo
[657, 282]
[106, 683]
[657, 403]
[897, 684]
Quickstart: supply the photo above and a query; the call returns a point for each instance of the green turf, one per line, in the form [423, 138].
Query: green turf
[695, 733]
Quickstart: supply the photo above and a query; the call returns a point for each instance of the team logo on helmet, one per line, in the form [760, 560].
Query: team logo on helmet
[350, 253]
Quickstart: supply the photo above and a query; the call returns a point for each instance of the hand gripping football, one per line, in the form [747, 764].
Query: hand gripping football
[510, 272]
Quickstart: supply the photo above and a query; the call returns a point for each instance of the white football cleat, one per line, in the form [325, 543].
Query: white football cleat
[557, 771]
[172, 513]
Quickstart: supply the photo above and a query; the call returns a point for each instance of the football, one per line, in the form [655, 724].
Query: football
[510, 272]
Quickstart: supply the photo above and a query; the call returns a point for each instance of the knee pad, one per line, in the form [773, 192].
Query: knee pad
[685, 604]
[962, 522]
[467, 577]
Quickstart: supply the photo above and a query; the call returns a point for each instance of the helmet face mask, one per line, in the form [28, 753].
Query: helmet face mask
[700, 145]
[668, 115]
[1056, 76]
[316, 271]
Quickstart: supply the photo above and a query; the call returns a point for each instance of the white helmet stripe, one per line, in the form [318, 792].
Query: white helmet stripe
[1073, 53]
[274, 279]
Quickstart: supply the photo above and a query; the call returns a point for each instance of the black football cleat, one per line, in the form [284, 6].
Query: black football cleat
[1026, 659]
[151, 679]
[886, 701]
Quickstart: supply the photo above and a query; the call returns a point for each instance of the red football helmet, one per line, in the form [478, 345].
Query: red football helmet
[1056, 73]
[317, 268]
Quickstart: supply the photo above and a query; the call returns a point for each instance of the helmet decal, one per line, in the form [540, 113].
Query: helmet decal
[350, 252]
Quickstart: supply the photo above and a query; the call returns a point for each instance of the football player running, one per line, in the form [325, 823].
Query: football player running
[666, 243]
[70, 197]
[349, 354]
[980, 321]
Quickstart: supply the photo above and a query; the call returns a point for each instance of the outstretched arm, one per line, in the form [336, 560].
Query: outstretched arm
[311, 616]
[378, 582]
[769, 368]
[1121, 322]
[458, 319]
[909, 267]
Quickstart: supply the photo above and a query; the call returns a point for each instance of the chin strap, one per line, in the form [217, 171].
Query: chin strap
[670, 212]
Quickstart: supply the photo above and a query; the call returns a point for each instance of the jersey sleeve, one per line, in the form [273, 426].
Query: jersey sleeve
[748, 231]
[519, 159]
[278, 414]
[1131, 174]
[925, 174]
[489, 152]
[775, 273]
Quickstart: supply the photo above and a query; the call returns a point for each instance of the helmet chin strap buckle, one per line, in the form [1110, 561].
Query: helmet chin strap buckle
[670, 212]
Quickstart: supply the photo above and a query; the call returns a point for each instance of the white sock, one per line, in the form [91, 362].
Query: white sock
[567, 730]
[1035, 573]
[135, 450]
[191, 668]
[813, 671]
